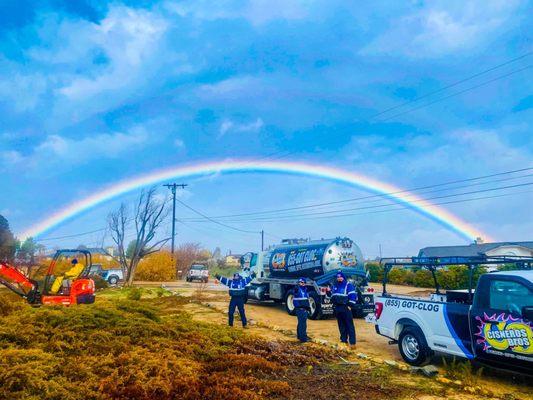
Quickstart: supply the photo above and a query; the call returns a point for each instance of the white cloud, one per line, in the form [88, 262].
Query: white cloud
[128, 38]
[460, 154]
[95, 146]
[257, 12]
[232, 126]
[22, 90]
[65, 152]
[441, 28]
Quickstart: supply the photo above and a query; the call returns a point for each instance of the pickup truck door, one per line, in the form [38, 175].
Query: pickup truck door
[501, 336]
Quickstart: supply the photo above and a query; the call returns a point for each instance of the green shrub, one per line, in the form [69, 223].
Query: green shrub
[134, 293]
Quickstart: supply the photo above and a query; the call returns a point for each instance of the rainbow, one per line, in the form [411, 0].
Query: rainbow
[417, 204]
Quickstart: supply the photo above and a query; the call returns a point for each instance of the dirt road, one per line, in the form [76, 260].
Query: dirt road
[271, 314]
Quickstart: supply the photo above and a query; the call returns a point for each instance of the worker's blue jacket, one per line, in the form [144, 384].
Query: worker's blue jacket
[237, 287]
[300, 297]
[343, 294]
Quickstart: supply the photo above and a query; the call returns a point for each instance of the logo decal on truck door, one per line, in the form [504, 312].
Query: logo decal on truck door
[505, 333]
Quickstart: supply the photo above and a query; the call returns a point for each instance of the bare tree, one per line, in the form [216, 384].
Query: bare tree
[149, 213]
[185, 255]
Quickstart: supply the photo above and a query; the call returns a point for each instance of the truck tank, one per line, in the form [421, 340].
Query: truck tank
[312, 259]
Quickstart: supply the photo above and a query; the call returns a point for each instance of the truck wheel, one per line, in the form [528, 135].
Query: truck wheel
[316, 305]
[289, 304]
[113, 280]
[413, 346]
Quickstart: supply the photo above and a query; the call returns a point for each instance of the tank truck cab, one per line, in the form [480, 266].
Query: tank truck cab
[278, 269]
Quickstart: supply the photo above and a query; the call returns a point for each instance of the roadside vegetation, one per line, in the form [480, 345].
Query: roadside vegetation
[454, 277]
[140, 344]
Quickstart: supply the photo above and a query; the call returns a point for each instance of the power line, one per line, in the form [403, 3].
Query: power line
[456, 93]
[402, 208]
[285, 217]
[71, 236]
[409, 195]
[213, 220]
[456, 83]
[382, 195]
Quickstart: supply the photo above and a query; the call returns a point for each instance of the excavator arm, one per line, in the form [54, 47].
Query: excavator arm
[19, 283]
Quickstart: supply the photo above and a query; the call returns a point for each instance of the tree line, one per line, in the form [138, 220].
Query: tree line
[453, 277]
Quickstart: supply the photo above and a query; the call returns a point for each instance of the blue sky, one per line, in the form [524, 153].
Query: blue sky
[93, 92]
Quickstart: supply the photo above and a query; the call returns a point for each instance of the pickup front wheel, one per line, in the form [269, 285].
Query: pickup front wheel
[413, 346]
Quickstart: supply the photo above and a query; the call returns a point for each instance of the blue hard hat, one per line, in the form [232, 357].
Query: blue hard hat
[340, 274]
[74, 261]
[301, 280]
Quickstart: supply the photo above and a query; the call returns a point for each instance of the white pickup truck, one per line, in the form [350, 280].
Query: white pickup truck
[198, 272]
[492, 324]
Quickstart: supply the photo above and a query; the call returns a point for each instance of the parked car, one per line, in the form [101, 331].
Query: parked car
[197, 272]
[111, 276]
[491, 324]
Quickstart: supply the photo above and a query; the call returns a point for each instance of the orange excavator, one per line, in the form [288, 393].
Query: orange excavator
[72, 286]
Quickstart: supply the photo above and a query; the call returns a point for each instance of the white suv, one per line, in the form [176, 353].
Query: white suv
[197, 272]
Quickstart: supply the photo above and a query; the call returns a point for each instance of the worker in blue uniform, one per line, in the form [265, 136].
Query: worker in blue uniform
[344, 297]
[302, 308]
[237, 292]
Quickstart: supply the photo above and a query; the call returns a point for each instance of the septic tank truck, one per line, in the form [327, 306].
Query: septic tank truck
[278, 269]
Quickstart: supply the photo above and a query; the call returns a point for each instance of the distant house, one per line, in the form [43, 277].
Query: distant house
[522, 249]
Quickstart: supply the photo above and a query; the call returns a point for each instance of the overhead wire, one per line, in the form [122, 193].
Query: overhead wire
[284, 217]
[395, 209]
[456, 93]
[453, 84]
[381, 196]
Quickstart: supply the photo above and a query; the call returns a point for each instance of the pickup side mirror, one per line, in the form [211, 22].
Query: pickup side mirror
[527, 313]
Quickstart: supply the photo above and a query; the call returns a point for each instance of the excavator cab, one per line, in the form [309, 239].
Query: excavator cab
[65, 282]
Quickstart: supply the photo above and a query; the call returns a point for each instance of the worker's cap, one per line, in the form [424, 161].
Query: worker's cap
[74, 261]
[340, 274]
[301, 280]
[236, 275]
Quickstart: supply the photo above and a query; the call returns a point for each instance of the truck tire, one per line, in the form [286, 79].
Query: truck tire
[289, 303]
[413, 346]
[113, 280]
[316, 305]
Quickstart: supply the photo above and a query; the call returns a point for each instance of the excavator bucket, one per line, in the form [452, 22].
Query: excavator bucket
[19, 283]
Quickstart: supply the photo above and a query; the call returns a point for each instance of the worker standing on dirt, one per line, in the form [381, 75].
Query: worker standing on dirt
[237, 292]
[302, 308]
[343, 297]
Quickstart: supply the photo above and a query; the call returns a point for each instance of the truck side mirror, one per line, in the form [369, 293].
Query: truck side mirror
[527, 313]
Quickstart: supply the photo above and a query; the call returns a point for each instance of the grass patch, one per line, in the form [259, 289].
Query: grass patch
[122, 347]
[461, 370]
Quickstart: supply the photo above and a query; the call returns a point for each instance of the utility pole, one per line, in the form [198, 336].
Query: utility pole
[172, 187]
[262, 239]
